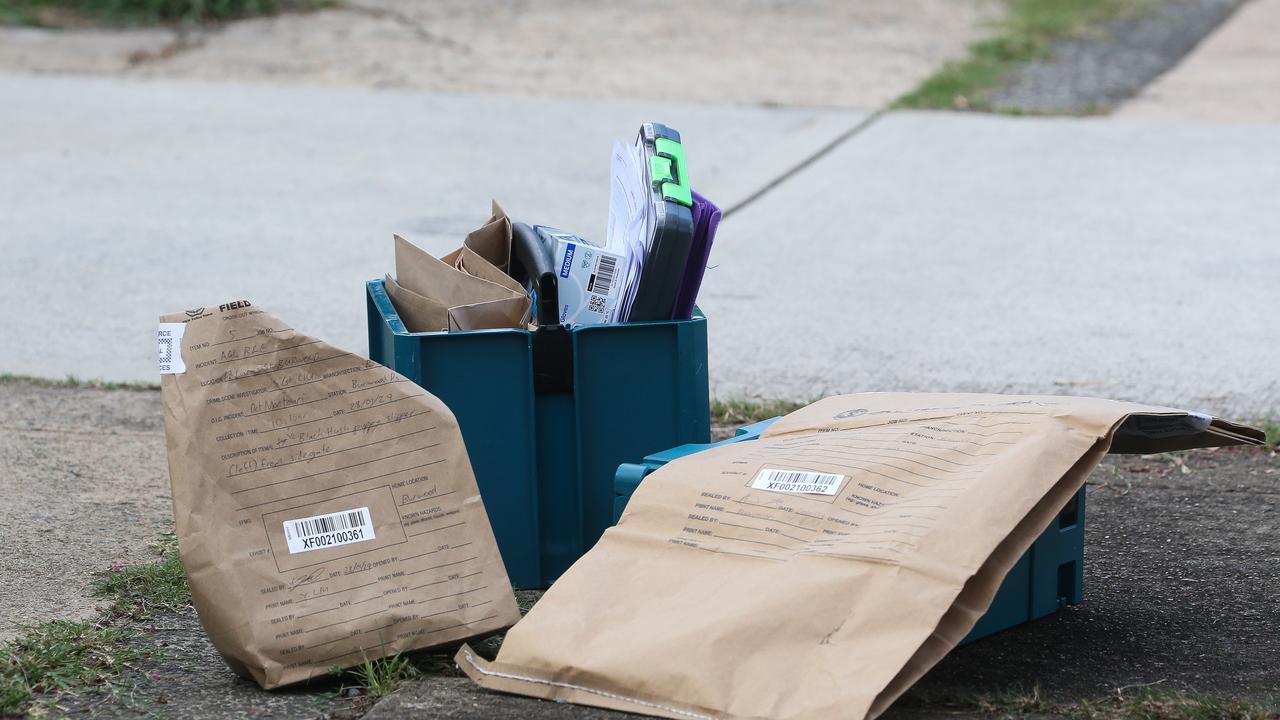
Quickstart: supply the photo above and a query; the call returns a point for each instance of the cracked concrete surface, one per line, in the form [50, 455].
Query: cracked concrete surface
[857, 55]
[85, 484]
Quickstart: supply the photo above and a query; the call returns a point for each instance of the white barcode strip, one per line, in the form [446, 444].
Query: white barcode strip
[331, 530]
[604, 275]
[797, 481]
[329, 523]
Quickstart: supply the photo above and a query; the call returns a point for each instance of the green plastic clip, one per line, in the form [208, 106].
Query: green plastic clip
[667, 167]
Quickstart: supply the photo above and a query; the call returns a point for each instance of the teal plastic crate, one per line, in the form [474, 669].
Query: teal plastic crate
[1047, 578]
[545, 454]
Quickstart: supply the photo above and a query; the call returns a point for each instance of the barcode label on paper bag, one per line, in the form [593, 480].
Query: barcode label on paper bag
[797, 481]
[325, 531]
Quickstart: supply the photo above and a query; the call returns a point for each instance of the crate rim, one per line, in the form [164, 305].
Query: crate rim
[378, 293]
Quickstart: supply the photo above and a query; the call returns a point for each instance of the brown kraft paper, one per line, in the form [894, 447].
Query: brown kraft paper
[468, 289]
[819, 571]
[325, 506]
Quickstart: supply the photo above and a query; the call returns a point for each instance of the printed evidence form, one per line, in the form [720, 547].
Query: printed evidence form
[332, 497]
[864, 490]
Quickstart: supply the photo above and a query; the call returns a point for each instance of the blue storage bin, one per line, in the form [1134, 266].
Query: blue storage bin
[544, 458]
[1047, 578]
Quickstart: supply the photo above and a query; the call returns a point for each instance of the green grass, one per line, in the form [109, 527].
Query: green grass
[733, 413]
[1014, 701]
[138, 591]
[373, 680]
[143, 12]
[71, 381]
[1272, 429]
[1146, 702]
[379, 678]
[1027, 33]
[1150, 703]
[60, 657]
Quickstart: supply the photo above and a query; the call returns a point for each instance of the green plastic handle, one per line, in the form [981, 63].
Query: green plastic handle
[667, 167]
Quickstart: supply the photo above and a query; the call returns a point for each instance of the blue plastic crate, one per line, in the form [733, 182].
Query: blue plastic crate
[1047, 578]
[545, 460]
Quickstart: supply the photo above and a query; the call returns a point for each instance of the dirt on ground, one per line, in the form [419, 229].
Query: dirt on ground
[1182, 576]
[85, 485]
[1182, 572]
[826, 53]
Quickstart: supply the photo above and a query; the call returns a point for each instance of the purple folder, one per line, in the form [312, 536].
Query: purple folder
[706, 216]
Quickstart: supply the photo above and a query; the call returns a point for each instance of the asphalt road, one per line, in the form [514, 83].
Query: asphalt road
[1097, 71]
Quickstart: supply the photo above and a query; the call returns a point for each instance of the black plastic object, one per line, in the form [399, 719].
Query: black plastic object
[548, 311]
[670, 192]
[531, 256]
[552, 345]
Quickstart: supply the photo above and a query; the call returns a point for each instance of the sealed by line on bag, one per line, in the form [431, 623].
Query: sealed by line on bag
[325, 506]
[822, 569]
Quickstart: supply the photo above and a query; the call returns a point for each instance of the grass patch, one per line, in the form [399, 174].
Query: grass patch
[1026, 34]
[379, 678]
[54, 13]
[138, 591]
[1146, 702]
[733, 413]
[61, 657]
[1272, 429]
[73, 382]
[1149, 703]
[1014, 701]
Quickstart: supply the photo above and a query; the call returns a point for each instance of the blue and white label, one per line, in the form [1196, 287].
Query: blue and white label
[567, 264]
[590, 284]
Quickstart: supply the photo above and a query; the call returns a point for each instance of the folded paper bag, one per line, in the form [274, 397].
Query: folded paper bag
[819, 571]
[325, 506]
[468, 289]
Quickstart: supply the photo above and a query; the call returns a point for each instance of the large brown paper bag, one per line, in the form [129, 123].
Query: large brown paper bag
[326, 509]
[819, 571]
[468, 289]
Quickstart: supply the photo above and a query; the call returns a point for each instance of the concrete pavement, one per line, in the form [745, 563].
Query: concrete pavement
[1234, 76]
[125, 199]
[982, 253]
[927, 252]
[86, 480]
[817, 53]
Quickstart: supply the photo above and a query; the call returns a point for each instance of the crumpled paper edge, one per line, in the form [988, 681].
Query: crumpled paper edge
[487, 675]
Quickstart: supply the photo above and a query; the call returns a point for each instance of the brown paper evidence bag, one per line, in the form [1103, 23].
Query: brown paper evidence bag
[325, 506]
[819, 571]
[468, 289]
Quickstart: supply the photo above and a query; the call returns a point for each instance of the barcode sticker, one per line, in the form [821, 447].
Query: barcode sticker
[797, 481]
[592, 281]
[169, 348]
[602, 280]
[320, 532]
